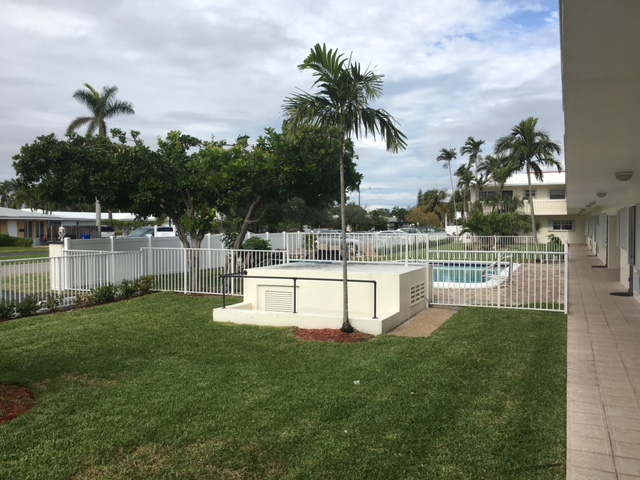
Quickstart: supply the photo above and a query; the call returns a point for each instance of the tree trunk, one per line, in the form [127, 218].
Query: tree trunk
[533, 215]
[246, 223]
[453, 198]
[346, 325]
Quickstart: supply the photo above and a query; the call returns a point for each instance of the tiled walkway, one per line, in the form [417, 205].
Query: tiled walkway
[603, 374]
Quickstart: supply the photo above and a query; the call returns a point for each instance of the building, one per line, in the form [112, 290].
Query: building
[549, 198]
[25, 224]
[601, 101]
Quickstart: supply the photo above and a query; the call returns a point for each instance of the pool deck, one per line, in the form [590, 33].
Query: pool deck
[603, 373]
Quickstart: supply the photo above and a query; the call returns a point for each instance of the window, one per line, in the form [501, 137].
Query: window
[565, 225]
[507, 194]
[486, 195]
[530, 193]
[557, 194]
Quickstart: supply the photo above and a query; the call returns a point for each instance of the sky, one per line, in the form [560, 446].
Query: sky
[222, 68]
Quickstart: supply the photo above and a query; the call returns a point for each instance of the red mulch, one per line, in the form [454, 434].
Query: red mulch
[14, 401]
[331, 335]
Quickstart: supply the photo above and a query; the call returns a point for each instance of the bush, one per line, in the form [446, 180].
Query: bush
[28, 306]
[143, 285]
[256, 243]
[9, 241]
[104, 294]
[7, 309]
[127, 289]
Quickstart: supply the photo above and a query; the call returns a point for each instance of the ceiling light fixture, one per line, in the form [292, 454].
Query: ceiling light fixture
[623, 176]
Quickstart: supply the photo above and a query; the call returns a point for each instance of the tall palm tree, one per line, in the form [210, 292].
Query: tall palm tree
[447, 155]
[342, 102]
[465, 177]
[472, 147]
[102, 106]
[530, 149]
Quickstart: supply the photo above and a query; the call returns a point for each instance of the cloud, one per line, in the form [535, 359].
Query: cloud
[452, 69]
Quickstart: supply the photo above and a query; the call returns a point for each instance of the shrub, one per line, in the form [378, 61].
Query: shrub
[143, 285]
[28, 306]
[52, 301]
[7, 309]
[84, 299]
[228, 239]
[104, 294]
[256, 243]
[127, 289]
[9, 241]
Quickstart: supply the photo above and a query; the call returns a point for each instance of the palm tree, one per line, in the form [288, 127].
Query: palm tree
[447, 155]
[465, 177]
[7, 192]
[342, 102]
[473, 147]
[102, 106]
[530, 149]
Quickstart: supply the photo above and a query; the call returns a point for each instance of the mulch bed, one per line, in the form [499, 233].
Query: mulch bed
[14, 401]
[331, 335]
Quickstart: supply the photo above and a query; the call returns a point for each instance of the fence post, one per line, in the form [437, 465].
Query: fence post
[499, 274]
[406, 249]
[566, 275]
[287, 252]
[186, 269]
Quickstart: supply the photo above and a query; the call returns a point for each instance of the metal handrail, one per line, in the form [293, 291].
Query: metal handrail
[295, 280]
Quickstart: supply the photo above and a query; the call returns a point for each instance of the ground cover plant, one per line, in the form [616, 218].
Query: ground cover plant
[151, 388]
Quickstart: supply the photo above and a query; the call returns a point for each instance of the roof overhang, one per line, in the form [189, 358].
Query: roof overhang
[601, 98]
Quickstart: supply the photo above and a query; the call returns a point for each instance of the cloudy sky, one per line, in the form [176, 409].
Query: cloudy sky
[453, 69]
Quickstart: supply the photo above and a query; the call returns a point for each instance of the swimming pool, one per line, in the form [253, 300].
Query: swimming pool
[470, 275]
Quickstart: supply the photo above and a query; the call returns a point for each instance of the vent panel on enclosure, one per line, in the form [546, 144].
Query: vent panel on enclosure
[278, 301]
[418, 293]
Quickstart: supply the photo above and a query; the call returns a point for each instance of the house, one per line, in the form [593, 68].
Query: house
[549, 198]
[25, 224]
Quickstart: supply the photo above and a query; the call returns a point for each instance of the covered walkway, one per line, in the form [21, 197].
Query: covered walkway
[603, 373]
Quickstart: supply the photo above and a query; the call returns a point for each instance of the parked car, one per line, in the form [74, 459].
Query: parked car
[157, 231]
[107, 231]
[329, 242]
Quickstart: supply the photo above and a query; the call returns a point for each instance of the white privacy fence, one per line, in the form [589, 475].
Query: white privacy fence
[505, 272]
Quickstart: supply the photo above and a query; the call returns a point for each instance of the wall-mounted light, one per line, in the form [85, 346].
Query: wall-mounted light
[601, 194]
[623, 176]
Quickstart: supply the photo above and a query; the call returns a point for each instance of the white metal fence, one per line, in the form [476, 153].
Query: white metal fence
[505, 272]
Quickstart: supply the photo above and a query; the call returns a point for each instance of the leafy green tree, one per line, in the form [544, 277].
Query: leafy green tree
[358, 218]
[434, 200]
[495, 223]
[380, 218]
[102, 106]
[447, 155]
[422, 216]
[65, 172]
[342, 102]
[282, 167]
[400, 213]
[530, 149]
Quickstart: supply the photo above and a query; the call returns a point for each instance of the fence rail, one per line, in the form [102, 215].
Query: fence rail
[505, 272]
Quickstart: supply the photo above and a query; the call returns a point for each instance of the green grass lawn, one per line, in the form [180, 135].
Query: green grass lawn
[151, 388]
[18, 253]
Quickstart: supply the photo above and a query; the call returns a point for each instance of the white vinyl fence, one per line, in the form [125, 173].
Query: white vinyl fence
[505, 272]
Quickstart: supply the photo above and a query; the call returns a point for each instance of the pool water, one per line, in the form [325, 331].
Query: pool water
[463, 273]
